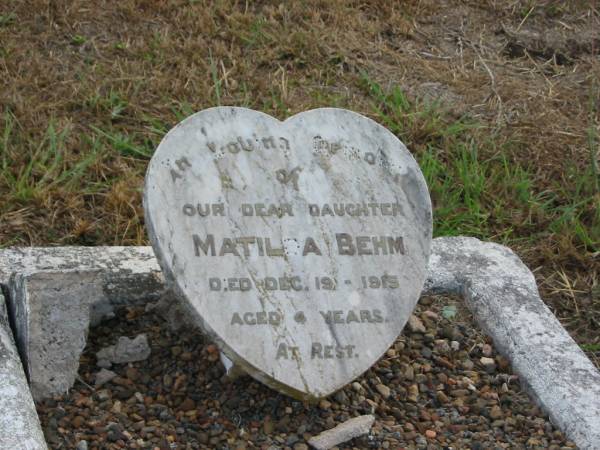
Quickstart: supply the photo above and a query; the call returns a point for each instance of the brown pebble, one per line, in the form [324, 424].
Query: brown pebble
[413, 393]
[121, 381]
[383, 390]
[116, 408]
[78, 421]
[324, 404]
[410, 435]
[459, 392]
[430, 315]
[132, 373]
[187, 405]
[211, 348]
[496, 412]
[441, 397]
[430, 434]
[268, 425]
[179, 382]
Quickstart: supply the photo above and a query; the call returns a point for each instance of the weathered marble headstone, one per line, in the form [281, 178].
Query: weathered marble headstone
[299, 246]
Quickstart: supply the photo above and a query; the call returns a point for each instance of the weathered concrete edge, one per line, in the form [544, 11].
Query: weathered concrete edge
[503, 296]
[19, 424]
[62, 304]
[131, 273]
[496, 285]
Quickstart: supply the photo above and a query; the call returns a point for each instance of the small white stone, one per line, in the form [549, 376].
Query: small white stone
[383, 390]
[487, 363]
[131, 350]
[442, 346]
[116, 407]
[103, 376]
[104, 363]
[232, 371]
[487, 350]
[345, 431]
[126, 350]
[415, 325]
[431, 315]
[103, 395]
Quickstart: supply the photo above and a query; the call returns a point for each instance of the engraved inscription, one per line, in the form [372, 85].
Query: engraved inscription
[204, 209]
[264, 246]
[181, 165]
[355, 209]
[324, 351]
[300, 245]
[234, 284]
[272, 318]
[287, 351]
[266, 210]
[240, 143]
[340, 317]
[285, 177]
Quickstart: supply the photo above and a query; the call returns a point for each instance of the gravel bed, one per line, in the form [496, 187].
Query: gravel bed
[441, 386]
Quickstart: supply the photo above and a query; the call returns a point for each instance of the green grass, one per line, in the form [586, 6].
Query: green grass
[112, 104]
[215, 79]
[476, 190]
[78, 40]
[127, 144]
[591, 347]
[47, 166]
[7, 19]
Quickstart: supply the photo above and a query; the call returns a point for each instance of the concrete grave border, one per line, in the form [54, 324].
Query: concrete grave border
[495, 284]
[19, 422]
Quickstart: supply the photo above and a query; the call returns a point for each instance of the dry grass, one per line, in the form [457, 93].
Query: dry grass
[87, 90]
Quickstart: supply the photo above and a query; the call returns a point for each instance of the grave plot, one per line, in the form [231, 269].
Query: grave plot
[495, 285]
[442, 383]
[492, 281]
[300, 249]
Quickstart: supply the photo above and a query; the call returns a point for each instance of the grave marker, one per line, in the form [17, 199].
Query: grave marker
[299, 246]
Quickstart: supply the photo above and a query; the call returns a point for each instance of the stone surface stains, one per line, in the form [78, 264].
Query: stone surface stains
[306, 264]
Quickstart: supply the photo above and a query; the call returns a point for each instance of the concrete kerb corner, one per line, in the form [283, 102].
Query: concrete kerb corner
[498, 288]
[503, 296]
[60, 305]
[19, 423]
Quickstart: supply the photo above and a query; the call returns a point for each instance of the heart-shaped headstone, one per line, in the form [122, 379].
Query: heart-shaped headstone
[299, 246]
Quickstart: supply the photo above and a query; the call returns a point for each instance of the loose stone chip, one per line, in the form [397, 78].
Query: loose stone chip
[350, 429]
